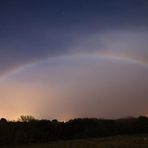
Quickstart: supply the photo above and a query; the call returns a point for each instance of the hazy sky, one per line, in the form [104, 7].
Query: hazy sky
[73, 58]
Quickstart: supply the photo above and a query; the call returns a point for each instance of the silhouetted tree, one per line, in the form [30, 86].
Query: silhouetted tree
[26, 118]
[30, 130]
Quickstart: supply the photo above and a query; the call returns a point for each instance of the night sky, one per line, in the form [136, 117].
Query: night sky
[73, 58]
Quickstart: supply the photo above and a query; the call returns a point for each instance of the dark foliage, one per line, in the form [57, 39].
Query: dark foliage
[39, 131]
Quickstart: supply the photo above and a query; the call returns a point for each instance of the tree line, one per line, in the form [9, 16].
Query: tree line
[30, 130]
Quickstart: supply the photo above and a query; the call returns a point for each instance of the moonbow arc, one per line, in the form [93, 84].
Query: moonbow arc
[105, 56]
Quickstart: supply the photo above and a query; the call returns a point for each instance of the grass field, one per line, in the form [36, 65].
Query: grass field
[134, 141]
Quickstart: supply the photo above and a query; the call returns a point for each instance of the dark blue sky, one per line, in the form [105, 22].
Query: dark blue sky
[34, 29]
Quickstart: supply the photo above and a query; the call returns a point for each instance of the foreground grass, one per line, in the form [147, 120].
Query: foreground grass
[133, 141]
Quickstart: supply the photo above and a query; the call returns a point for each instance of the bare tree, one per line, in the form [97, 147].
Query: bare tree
[26, 118]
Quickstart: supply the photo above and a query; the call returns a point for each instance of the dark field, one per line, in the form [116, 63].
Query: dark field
[76, 133]
[132, 141]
